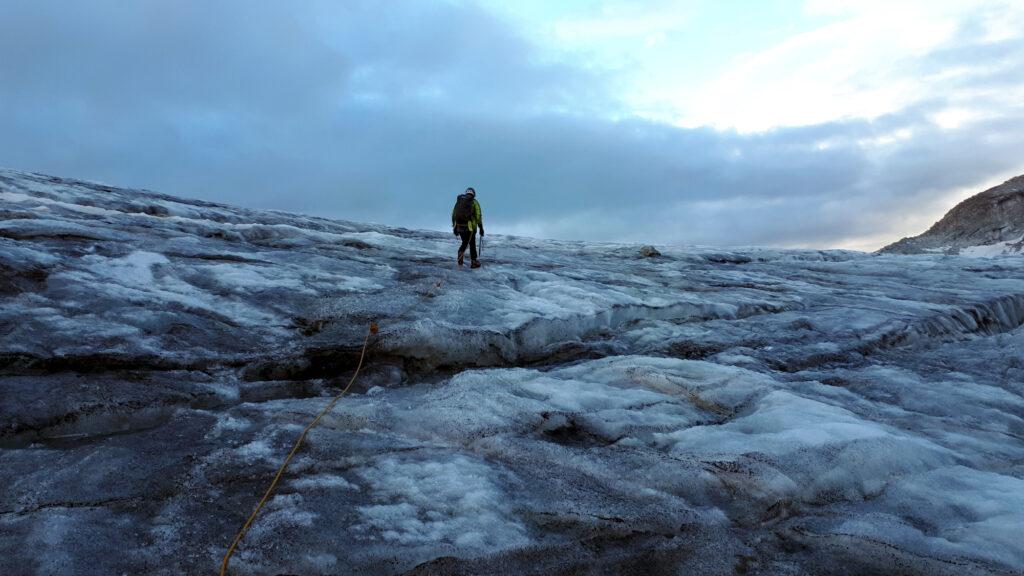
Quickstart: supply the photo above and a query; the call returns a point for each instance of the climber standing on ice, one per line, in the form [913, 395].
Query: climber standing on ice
[466, 218]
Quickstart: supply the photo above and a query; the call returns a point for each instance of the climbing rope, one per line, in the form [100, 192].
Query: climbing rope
[373, 329]
[295, 448]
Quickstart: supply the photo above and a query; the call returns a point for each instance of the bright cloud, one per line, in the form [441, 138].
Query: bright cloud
[864, 65]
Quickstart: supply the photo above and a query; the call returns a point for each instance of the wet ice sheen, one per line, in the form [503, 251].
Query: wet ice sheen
[569, 405]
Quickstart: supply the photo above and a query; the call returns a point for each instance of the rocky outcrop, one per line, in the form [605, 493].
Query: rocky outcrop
[988, 223]
[649, 251]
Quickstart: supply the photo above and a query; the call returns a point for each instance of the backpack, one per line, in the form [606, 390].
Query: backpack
[464, 209]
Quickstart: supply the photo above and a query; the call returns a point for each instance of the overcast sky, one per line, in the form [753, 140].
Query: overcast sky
[820, 123]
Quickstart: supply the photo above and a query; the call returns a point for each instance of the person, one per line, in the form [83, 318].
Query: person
[466, 219]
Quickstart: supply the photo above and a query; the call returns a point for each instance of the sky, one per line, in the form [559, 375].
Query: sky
[817, 123]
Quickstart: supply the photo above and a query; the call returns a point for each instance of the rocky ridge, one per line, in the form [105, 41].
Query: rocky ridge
[987, 224]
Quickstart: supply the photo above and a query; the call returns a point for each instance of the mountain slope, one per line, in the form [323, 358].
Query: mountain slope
[569, 408]
[988, 223]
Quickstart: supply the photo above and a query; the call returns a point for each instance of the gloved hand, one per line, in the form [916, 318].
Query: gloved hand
[481, 231]
[455, 230]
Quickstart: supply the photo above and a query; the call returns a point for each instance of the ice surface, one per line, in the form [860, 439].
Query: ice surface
[1012, 247]
[451, 502]
[567, 408]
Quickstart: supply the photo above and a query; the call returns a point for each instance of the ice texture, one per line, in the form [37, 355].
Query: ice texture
[569, 408]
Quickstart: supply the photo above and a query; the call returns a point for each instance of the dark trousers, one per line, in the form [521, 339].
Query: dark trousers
[468, 238]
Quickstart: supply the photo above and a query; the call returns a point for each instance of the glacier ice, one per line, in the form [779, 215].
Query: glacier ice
[569, 408]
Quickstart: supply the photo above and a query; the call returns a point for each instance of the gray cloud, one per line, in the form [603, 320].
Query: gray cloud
[367, 112]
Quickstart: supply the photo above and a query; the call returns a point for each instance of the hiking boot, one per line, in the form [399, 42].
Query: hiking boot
[462, 257]
[475, 264]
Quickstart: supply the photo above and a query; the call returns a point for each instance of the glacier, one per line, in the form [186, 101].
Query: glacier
[570, 408]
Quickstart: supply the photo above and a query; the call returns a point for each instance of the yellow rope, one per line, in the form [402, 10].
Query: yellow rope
[295, 448]
[302, 437]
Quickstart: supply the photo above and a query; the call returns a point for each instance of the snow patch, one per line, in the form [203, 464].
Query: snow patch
[454, 501]
[135, 269]
[323, 482]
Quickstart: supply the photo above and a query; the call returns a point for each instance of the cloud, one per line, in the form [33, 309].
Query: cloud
[379, 113]
[874, 58]
[232, 56]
